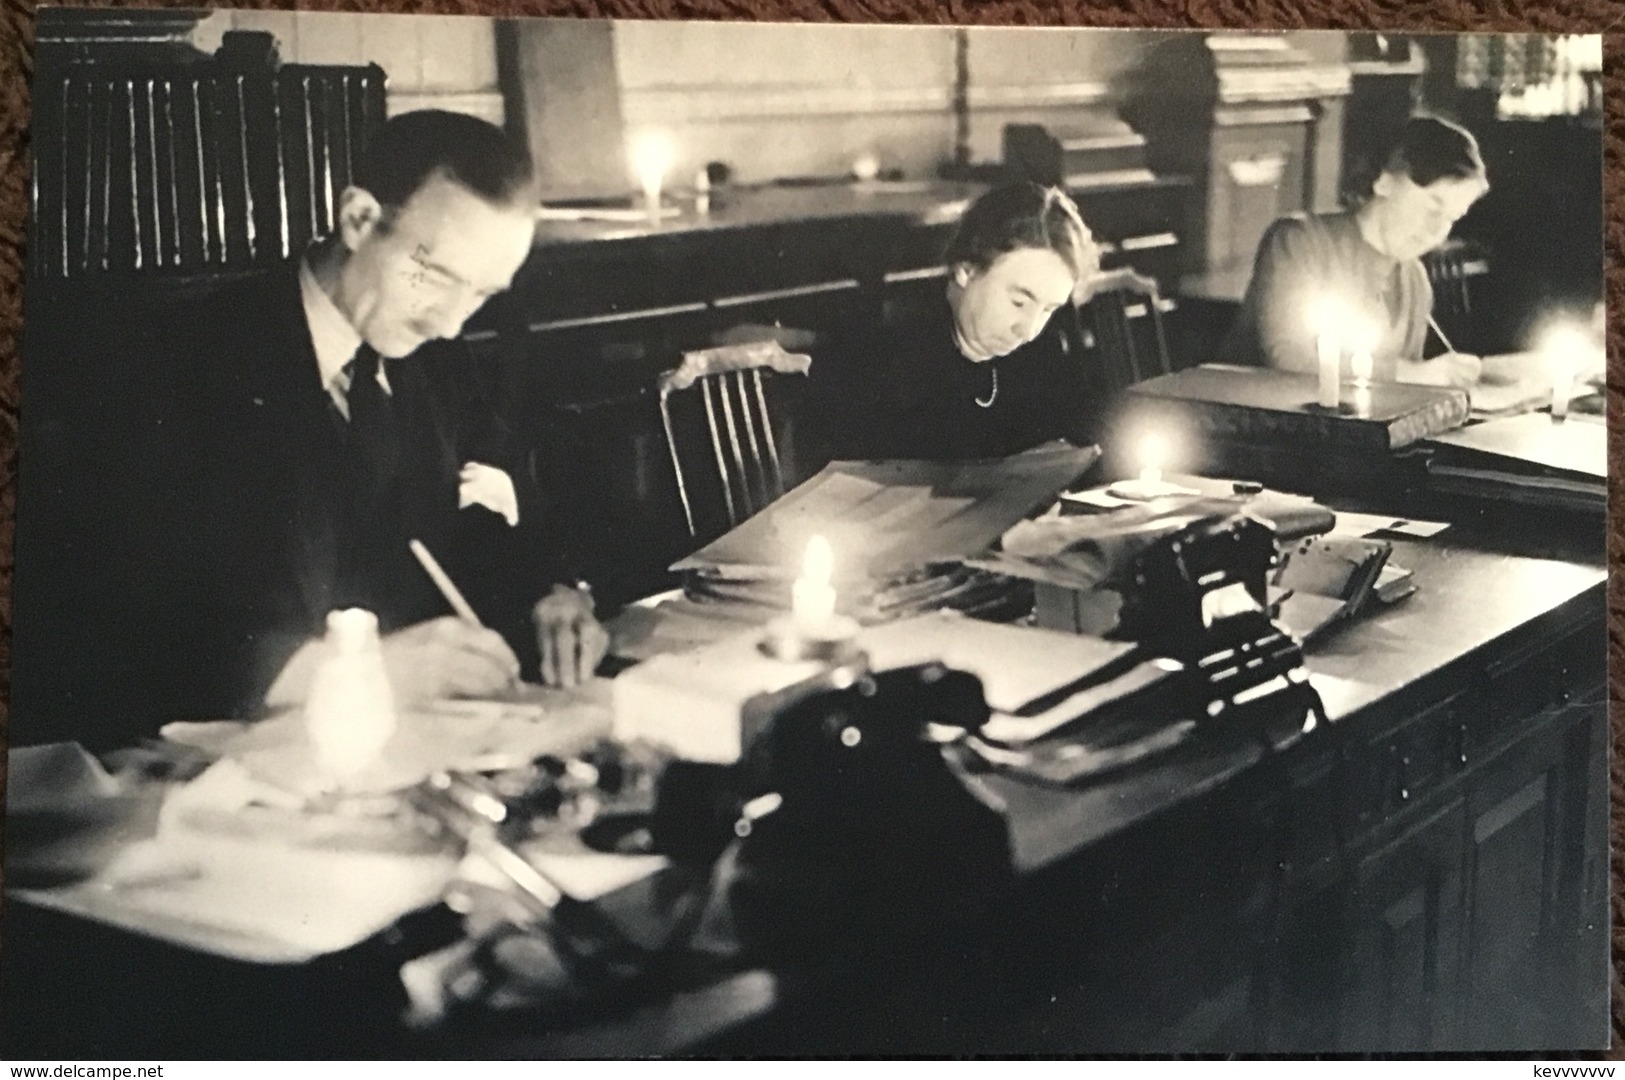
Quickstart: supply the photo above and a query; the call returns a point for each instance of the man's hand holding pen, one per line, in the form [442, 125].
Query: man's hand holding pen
[448, 657]
[569, 637]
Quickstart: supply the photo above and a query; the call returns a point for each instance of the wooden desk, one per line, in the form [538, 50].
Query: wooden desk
[1427, 871]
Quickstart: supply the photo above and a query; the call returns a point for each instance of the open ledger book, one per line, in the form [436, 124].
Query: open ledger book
[886, 518]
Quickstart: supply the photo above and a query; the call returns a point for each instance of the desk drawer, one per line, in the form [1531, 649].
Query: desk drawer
[1386, 776]
[1312, 846]
[1531, 685]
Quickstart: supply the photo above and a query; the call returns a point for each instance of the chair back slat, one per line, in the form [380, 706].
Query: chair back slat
[754, 480]
[1119, 303]
[731, 384]
[1452, 270]
[739, 493]
[186, 169]
[706, 390]
[768, 437]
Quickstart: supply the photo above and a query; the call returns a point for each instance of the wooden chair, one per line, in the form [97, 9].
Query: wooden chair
[1122, 320]
[731, 384]
[1452, 270]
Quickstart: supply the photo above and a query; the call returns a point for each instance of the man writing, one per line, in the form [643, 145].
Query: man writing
[303, 429]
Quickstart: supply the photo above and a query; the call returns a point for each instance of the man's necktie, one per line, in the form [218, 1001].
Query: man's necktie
[372, 434]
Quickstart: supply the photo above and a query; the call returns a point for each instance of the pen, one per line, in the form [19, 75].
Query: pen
[447, 589]
[1444, 340]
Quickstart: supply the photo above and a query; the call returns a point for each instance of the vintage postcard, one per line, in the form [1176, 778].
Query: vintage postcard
[570, 538]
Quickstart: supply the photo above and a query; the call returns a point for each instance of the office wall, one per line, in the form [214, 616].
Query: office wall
[440, 61]
[804, 100]
[789, 100]
[1058, 78]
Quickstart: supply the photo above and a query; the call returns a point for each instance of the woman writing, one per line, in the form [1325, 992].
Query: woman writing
[1369, 263]
[986, 372]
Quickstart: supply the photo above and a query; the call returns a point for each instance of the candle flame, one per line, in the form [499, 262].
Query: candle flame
[1362, 336]
[1361, 367]
[652, 157]
[1564, 346]
[1330, 316]
[1153, 450]
[1327, 315]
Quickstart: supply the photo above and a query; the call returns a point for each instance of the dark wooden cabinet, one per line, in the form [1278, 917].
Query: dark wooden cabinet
[1524, 881]
[1404, 940]
[1424, 875]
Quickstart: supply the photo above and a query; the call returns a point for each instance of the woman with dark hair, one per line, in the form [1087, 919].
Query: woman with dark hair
[986, 372]
[1368, 263]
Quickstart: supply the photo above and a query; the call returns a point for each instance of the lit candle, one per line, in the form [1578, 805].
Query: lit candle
[702, 192]
[1325, 319]
[652, 157]
[1563, 348]
[1361, 366]
[1153, 456]
[812, 597]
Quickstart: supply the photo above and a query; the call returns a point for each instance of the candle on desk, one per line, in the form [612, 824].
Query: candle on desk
[1153, 456]
[1361, 368]
[652, 156]
[1329, 353]
[702, 192]
[812, 597]
[1325, 322]
[1562, 348]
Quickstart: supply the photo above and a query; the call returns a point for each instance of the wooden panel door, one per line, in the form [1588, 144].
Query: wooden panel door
[1525, 874]
[1403, 964]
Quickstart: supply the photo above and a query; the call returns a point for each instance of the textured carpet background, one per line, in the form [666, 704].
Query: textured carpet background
[1553, 16]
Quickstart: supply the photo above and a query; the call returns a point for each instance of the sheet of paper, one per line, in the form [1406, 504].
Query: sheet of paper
[585, 875]
[452, 734]
[1015, 663]
[1566, 446]
[252, 900]
[1015, 730]
[1352, 524]
[1095, 498]
[66, 817]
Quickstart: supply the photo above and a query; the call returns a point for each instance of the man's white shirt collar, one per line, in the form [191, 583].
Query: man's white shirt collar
[333, 338]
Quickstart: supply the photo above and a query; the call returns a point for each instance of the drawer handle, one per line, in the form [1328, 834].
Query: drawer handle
[1461, 745]
[1402, 765]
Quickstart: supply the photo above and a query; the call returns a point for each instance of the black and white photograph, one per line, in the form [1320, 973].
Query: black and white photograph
[575, 538]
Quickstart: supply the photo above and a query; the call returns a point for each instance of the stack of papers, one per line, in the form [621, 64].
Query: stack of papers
[1532, 459]
[903, 534]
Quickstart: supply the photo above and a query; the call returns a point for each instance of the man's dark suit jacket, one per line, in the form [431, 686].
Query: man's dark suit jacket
[211, 512]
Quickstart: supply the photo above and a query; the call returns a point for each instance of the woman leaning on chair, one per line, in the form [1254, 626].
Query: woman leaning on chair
[987, 371]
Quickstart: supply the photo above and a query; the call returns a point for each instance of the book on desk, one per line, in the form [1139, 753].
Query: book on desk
[1263, 406]
[1534, 459]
